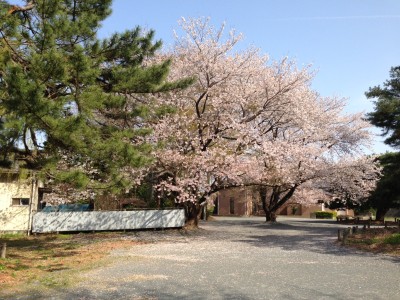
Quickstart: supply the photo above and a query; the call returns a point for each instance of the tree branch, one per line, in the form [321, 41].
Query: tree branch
[15, 8]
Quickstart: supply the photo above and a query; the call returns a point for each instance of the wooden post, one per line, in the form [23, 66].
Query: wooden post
[369, 222]
[355, 229]
[346, 233]
[3, 250]
[340, 234]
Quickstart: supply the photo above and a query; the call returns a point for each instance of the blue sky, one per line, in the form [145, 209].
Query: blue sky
[352, 43]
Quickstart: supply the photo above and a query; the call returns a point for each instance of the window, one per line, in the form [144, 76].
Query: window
[20, 201]
[232, 206]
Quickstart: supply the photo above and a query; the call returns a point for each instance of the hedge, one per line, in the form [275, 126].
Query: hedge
[325, 214]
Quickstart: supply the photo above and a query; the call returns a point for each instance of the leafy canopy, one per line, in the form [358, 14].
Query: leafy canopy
[387, 107]
[387, 193]
[67, 96]
[387, 116]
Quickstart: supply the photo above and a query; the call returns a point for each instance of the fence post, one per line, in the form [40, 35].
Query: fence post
[369, 222]
[345, 234]
[3, 250]
[355, 229]
[340, 234]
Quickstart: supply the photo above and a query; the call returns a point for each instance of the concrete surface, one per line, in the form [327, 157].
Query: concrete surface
[241, 258]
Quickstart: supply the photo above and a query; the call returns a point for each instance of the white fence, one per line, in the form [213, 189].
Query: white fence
[107, 220]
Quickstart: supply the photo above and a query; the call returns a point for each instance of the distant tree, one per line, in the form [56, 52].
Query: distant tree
[73, 105]
[387, 107]
[387, 193]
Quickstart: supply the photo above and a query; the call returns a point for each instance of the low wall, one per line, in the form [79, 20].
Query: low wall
[107, 220]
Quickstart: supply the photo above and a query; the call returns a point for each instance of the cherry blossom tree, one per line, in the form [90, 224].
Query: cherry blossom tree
[248, 121]
[318, 143]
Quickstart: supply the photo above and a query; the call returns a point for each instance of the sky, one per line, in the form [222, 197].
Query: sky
[352, 44]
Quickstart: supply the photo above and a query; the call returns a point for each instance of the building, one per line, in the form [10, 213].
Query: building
[246, 202]
[19, 199]
[235, 202]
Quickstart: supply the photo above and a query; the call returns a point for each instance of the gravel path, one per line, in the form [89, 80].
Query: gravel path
[242, 258]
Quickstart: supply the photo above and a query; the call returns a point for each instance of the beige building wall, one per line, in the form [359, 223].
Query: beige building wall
[235, 202]
[18, 198]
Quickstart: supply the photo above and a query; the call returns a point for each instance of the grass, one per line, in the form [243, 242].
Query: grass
[51, 260]
[6, 236]
[377, 240]
[63, 236]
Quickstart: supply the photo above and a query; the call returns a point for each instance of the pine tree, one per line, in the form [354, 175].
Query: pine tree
[387, 192]
[386, 116]
[66, 95]
[387, 107]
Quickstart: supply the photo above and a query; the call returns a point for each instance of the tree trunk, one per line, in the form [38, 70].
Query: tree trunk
[192, 212]
[3, 250]
[270, 216]
[276, 200]
[380, 213]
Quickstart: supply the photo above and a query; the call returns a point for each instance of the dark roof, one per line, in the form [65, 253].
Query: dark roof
[393, 213]
[66, 208]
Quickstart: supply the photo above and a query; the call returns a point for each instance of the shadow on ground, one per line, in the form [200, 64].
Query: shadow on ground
[319, 236]
[123, 291]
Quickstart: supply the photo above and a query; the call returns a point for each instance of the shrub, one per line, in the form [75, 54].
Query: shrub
[210, 211]
[325, 214]
[394, 239]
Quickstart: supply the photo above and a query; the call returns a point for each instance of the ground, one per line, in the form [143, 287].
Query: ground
[34, 259]
[230, 258]
[377, 240]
